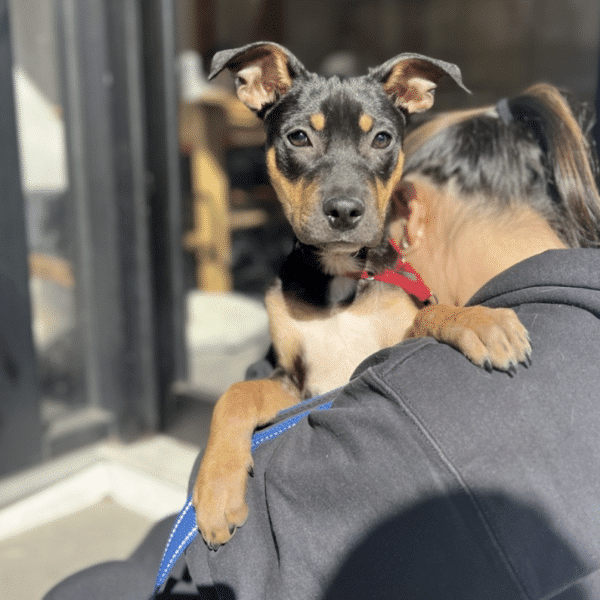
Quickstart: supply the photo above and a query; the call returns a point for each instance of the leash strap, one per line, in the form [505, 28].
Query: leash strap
[185, 529]
[402, 275]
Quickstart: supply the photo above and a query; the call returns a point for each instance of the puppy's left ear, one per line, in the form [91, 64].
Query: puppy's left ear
[410, 80]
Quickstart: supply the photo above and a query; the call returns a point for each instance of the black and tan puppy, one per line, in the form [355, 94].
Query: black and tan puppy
[334, 154]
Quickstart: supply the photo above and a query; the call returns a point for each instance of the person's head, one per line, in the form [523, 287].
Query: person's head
[486, 188]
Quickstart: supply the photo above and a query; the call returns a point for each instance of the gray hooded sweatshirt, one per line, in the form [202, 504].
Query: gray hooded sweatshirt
[430, 478]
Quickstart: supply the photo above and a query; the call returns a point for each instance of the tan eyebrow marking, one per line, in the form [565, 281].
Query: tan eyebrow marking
[365, 122]
[318, 121]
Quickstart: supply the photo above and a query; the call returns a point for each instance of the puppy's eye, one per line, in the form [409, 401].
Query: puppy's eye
[299, 138]
[382, 140]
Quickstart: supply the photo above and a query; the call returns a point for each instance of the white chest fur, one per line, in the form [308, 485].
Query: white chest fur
[331, 343]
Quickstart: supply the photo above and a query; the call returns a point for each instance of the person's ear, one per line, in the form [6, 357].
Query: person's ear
[409, 214]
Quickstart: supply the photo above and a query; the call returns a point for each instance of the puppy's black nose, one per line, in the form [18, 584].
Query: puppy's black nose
[343, 213]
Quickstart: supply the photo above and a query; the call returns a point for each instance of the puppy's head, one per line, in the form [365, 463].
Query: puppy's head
[334, 146]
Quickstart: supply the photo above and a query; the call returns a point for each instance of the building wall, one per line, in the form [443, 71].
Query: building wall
[500, 45]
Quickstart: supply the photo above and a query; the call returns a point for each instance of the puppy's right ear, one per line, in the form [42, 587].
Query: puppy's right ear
[264, 71]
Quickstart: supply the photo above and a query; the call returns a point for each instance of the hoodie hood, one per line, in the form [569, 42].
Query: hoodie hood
[570, 276]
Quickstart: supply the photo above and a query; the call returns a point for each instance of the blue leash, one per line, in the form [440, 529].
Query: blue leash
[185, 529]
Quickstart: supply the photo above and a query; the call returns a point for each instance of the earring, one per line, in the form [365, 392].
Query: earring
[408, 248]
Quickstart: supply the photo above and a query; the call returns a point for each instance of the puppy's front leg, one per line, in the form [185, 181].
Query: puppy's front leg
[220, 488]
[488, 337]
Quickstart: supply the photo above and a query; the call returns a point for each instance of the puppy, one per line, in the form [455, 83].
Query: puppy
[334, 155]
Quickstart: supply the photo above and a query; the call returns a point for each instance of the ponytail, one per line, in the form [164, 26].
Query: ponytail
[570, 160]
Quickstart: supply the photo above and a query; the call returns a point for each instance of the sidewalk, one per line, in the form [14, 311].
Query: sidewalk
[99, 506]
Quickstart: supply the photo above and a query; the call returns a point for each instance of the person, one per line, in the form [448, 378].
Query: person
[428, 477]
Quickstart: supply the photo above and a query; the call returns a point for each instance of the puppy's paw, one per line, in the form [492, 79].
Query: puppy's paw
[488, 337]
[493, 338]
[219, 496]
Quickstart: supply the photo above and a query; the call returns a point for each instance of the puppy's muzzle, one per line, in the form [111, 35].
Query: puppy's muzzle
[343, 214]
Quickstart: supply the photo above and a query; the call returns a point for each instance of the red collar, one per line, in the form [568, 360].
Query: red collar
[403, 275]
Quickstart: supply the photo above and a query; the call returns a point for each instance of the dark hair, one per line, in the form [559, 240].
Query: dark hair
[542, 155]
